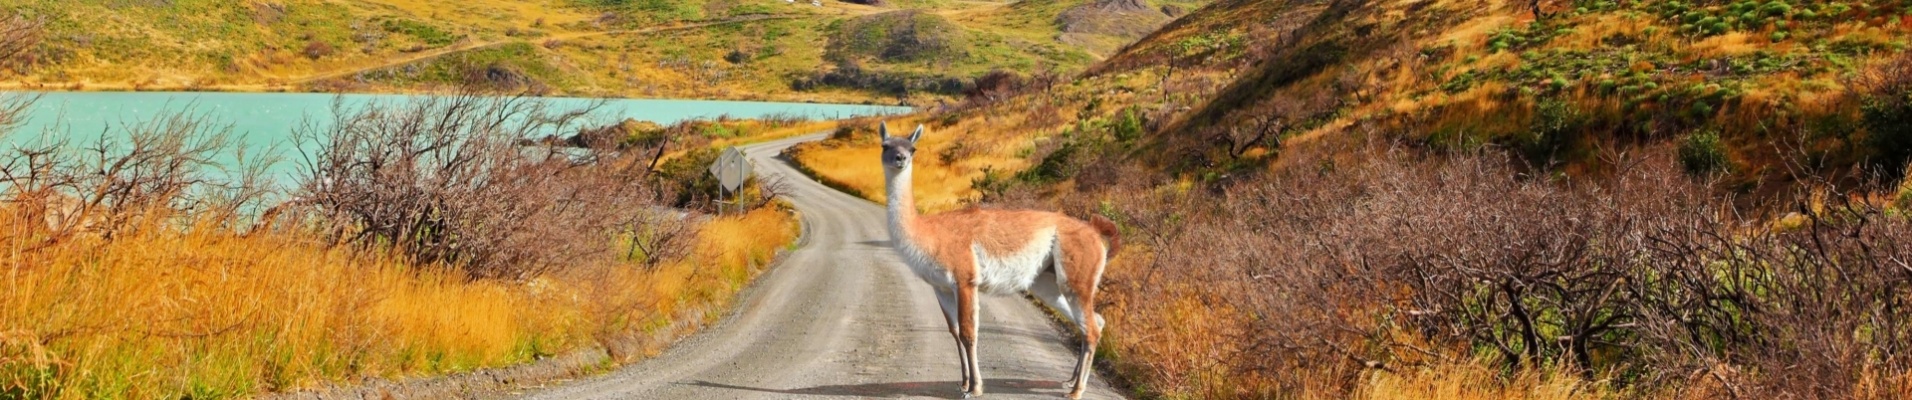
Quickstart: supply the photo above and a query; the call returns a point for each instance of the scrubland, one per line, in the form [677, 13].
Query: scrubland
[137, 268]
[1468, 199]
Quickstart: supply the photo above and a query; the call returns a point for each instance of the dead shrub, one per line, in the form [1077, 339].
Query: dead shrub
[783, 119]
[443, 180]
[19, 40]
[502, 77]
[1000, 85]
[994, 86]
[854, 131]
[316, 49]
[1332, 266]
[161, 174]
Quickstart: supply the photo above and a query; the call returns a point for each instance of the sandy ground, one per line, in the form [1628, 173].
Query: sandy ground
[841, 317]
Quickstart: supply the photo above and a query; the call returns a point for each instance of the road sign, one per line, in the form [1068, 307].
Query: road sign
[731, 169]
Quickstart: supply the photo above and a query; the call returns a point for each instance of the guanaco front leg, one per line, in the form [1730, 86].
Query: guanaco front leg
[947, 300]
[966, 305]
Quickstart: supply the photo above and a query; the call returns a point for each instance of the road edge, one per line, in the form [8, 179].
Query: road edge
[582, 363]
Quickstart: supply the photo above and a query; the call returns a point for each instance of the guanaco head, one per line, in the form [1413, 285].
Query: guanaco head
[898, 151]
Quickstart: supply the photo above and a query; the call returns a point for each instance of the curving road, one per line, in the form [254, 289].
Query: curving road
[841, 317]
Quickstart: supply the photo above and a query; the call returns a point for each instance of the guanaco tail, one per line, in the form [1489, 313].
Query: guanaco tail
[1054, 257]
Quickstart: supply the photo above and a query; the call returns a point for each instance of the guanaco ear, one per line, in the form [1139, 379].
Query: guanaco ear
[883, 130]
[918, 134]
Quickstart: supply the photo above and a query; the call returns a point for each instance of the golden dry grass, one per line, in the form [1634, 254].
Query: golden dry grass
[205, 312]
[997, 142]
[1729, 44]
[758, 131]
[1472, 381]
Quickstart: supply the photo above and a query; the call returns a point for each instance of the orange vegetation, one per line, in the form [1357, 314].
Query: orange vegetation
[207, 311]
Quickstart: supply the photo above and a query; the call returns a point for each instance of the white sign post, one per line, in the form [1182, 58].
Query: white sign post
[731, 169]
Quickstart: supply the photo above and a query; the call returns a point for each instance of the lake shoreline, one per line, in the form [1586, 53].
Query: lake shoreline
[123, 87]
[269, 124]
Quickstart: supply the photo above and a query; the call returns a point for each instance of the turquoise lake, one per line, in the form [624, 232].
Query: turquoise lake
[266, 121]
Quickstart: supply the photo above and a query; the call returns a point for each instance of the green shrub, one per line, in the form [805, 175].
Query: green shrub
[688, 178]
[1702, 153]
[1886, 113]
[1128, 125]
[1550, 133]
[992, 184]
[1053, 168]
[1888, 124]
[424, 32]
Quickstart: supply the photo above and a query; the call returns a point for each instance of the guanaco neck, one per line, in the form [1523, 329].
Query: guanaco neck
[902, 206]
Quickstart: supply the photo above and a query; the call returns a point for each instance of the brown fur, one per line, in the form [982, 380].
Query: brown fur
[1109, 232]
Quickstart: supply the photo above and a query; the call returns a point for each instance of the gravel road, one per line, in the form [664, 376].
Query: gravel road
[841, 317]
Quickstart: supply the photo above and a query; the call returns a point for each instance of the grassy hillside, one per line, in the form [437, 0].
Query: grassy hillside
[1588, 74]
[672, 48]
[1472, 199]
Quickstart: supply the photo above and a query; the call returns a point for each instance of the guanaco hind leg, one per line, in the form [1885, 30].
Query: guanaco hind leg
[1091, 333]
[1091, 324]
[1049, 289]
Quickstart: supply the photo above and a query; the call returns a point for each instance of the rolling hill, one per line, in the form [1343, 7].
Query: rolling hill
[677, 48]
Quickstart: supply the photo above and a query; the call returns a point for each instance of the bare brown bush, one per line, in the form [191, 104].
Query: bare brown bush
[160, 173]
[19, 38]
[1331, 266]
[13, 111]
[994, 86]
[783, 119]
[501, 77]
[316, 49]
[444, 180]
[1000, 85]
[851, 131]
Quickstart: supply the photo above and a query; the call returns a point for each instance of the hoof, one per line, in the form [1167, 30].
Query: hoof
[1075, 395]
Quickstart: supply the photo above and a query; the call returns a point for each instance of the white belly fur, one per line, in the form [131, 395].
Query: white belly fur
[1001, 274]
[997, 274]
[1012, 273]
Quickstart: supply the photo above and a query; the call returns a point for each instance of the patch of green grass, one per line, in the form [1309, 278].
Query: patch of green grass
[1535, 34]
[641, 13]
[424, 32]
[752, 9]
[471, 67]
[899, 36]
